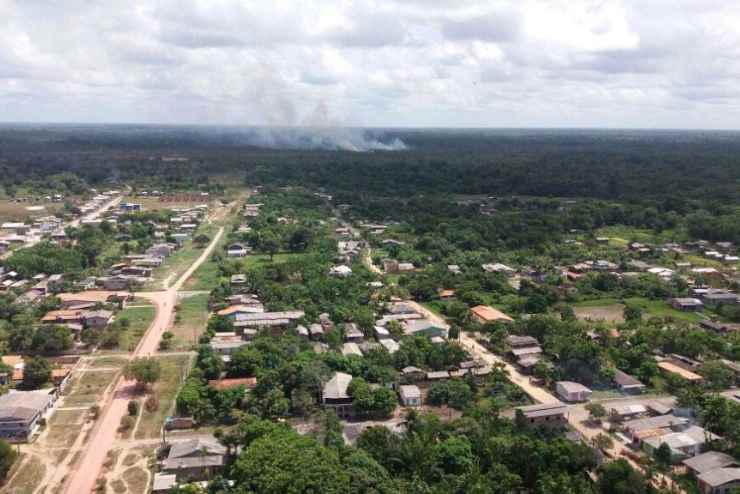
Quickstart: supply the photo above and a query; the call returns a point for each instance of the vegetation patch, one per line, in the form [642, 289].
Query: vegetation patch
[165, 389]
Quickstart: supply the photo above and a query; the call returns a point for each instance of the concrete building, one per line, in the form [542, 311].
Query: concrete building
[21, 411]
[334, 395]
[545, 415]
[410, 395]
[572, 391]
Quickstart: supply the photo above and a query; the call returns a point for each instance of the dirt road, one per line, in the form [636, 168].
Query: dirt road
[103, 436]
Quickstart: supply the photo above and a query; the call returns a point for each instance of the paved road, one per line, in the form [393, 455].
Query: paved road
[84, 476]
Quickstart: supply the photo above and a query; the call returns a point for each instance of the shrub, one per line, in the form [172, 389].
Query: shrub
[133, 408]
[127, 422]
[151, 404]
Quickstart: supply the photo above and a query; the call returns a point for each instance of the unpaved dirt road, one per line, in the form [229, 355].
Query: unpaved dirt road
[85, 474]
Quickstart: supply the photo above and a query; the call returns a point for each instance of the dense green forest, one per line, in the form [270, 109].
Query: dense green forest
[605, 164]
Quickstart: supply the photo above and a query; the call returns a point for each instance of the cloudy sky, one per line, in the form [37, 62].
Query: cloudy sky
[448, 63]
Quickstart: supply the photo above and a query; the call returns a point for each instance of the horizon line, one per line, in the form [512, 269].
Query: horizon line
[369, 127]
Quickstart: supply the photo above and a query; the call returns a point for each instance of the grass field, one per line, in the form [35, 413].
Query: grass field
[137, 480]
[109, 361]
[253, 261]
[64, 427]
[16, 211]
[661, 308]
[612, 313]
[610, 309]
[140, 318]
[180, 260]
[154, 204]
[190, 321]
[28, 477]
[174, 369]
[621, 235]
[88, 388]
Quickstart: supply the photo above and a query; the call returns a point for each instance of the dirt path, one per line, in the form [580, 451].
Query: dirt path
[103, 435]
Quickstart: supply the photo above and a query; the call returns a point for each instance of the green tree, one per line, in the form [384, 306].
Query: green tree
[8, 456]
[145, 371]
[663, 455]
[36, 373]
[283, 462]
[596, 411]
[618, 477]
[632, 313]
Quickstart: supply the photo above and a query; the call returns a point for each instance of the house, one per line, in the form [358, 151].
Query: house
[267, 319]
[446, 294]
[405, 267]
[544, 415]
[685, 443]
[194, 460]
[16, 365]
[353, 333]
[485, 314]
[227, 345]
[130, 206]
[316, 331]
[390, 345]
[719, 481]
[437, 375]
[140, 271]
[118, 283]
[164, 482]
[515, 341]
[91, 298]
[351, 348]
[687, 304]
[572, 391]
[97, 319]
[711, 460]
[334, 395]
[412, 373]
[160, 250]
[238, 279]
[620, 413]
[21, 412]
[498, 268]
[717, 299]
[55, 281]
[454, 269]
[424, 327]
[627, 383]
[390, 266]
[638, 429]
[340, 271]
[410, 395]
[236, 250]
[674, 369]
[233, 311]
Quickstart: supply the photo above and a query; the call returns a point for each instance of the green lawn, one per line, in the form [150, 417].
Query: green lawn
[661, 308]
[596, 302]
[190, 321]
[27, 478]
[252, 261]
[622, 235]
[180, 260]
[88, 387]
[140, 318]
[174, 369]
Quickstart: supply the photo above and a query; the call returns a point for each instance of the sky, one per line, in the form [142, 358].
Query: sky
[384, 63]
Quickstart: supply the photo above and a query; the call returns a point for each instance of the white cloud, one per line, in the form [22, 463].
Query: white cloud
[665, 63]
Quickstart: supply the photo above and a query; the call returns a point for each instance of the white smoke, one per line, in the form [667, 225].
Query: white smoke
[272, 97]
[328, 138]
